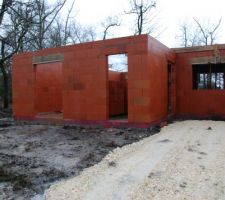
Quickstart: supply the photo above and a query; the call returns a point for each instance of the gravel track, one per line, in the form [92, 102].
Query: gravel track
[186, 160]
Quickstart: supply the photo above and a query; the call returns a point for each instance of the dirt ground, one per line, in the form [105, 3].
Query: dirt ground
[33, 156]
[186, 160]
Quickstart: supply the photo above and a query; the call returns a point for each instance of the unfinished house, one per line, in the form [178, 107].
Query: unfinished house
[200, 81]
[133, 79]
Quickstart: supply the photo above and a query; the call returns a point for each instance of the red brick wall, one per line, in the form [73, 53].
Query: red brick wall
[85, 88]
[114, 76]
[117, 93]
[125, 85]
[85, 79]
[49, 87]
[155, 98]
[196, 102]
[23, 82]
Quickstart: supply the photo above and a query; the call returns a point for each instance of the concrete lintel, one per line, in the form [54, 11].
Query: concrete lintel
[208, 59]
[48, 59]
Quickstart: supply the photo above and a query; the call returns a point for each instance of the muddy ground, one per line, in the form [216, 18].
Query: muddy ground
[33, 156]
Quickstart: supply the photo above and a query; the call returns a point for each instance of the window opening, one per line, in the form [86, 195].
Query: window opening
[208, 76]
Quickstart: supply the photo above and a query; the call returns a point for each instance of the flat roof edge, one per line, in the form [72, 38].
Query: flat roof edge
[87, 43]
[199, 48]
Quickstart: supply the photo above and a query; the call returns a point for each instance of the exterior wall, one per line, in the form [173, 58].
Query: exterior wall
[23, 83]
[190, 102]
[85, 79]
[156, 78]
[86, 86]
[49, 87]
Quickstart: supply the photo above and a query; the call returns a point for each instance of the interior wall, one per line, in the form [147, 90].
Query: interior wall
[193, 102]
[49, 87]
[117, 93]
[125, 85]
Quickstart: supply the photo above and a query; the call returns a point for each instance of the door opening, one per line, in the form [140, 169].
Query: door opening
[118, 90]
[49, 90]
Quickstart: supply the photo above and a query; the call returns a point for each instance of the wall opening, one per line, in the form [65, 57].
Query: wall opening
[49, 90]
[208, 76]
[169, 88]
[118, 90]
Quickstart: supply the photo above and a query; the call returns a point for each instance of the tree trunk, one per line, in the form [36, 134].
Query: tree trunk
[5, 87]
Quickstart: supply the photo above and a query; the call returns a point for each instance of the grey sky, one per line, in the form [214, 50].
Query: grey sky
[171, 14]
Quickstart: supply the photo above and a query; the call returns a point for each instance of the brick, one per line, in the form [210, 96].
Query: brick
[141, 84]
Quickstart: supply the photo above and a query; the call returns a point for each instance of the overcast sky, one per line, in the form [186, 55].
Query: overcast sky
[171, 13]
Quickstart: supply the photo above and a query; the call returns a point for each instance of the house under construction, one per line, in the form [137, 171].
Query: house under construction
[80, 83]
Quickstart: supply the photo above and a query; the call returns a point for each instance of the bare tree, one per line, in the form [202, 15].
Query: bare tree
[45, 17]
[4, 7]
[80, 34]
[67, 25]
[60, 32]
[109, 23]
[144, 15]
[197, 34]
[189, 35]
[208, 31]
[184, 36]
[16, 19]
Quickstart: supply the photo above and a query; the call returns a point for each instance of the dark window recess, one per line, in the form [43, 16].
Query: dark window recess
[208, 76]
